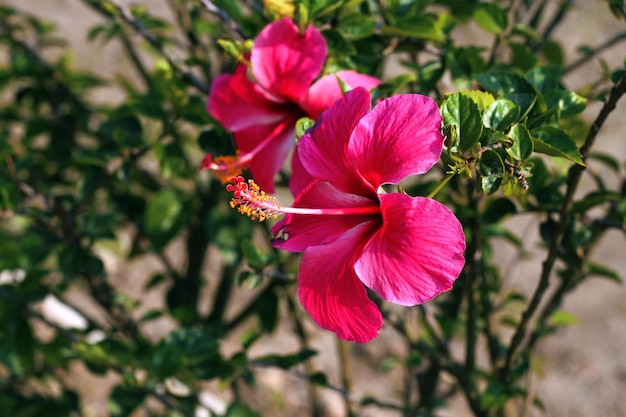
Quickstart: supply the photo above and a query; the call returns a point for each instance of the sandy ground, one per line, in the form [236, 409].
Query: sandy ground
[583, 366]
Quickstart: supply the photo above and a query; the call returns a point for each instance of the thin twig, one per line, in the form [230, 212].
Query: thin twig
[594, 52]
[305, 376]
[562, 9]
[304, 343]
[208, 4]
[196, 48]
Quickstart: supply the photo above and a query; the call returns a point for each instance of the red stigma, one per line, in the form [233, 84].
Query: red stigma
[206, 162]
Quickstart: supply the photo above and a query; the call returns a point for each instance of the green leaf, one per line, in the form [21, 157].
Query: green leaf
[319, 378]
[215, 143]
[523, 56]
[563, 318]
[617, 75]
[464, 63]
[392, 86]
[227, 230]
[287, 361]
[545, 78]
[151, 315]
[124, 400]
[522, 146]
[528, 32]
[163, 217]
[266, 309]
[72, 261]
[524, 101]
[167, 360]
[338, 45]
[491, 17]
[594, 269]
[249, 338]
[595, 198]
[253, 255]
[154, 281]
[500, 231]
[252, 279]
[567, 103]
[302, 125]
[482, 98]
[302, 15]
[462, 114]
[356, 26]
[430, 73]
[608, 160]
[501, 114]
[235, 49]
[191, 108]
[308, 10]
[194, 344]
[400, 81]
[320, 8]
[497, 394]
[491, 169]
[148, 105]
[553, 52]
[238, 409]
[556, 142]
[124, 128]
[497, 209]
[505, 83]
[419, 27]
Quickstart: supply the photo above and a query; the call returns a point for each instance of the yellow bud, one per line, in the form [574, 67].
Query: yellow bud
[279, 8]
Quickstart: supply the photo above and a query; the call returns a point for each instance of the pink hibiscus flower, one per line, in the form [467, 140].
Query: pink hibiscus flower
[353, 233]
[262, 112]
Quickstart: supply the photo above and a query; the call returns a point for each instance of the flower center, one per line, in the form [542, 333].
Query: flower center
[250, 200]
[227, 166]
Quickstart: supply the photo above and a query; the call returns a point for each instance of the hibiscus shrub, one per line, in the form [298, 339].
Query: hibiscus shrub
[124, 256]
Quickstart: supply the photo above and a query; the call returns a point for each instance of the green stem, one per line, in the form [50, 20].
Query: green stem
[442, 184]
[345, 364]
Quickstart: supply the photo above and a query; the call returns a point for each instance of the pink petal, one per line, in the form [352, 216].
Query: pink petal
[416, 254]
[399, 137]
[285, 62]
[324, 150]
[325, 91]
[300, 177]
[269, 159]
[296, 232]
[332, 294]
[237, 103]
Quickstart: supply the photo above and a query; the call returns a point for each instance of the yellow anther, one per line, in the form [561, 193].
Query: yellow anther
[250, 200]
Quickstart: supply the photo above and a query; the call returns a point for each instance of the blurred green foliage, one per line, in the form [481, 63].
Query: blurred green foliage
[80, 178]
